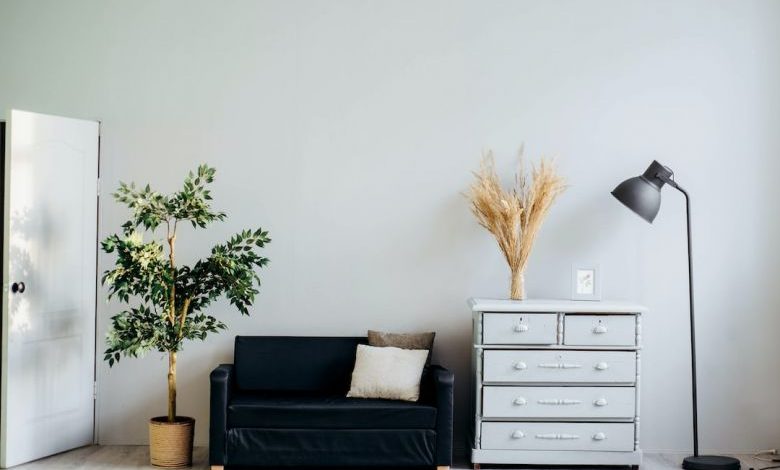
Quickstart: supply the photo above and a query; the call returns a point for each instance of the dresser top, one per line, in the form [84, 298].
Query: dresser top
[540, 305]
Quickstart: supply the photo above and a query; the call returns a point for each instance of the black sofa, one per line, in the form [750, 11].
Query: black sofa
[283, 403]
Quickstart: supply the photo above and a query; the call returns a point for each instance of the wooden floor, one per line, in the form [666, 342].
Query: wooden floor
[137, 457]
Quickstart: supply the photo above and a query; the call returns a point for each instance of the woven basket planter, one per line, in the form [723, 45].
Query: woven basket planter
[170, 444]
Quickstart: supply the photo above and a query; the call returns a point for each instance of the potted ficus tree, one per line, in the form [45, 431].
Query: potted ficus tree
[167, 303]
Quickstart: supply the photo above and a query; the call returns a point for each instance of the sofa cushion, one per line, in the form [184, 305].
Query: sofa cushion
[295, 363]
[330, 448]
[308, 411]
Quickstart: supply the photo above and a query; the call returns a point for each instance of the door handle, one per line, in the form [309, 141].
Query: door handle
[600, 329]
[557, 436]
[519, 328]
[18, 288]
[558, 401]
[559, 365]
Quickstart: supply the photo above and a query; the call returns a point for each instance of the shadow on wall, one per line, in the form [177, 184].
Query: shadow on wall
[586, 226]
[451, 241]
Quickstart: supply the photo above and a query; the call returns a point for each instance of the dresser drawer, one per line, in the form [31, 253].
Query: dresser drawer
[599, 330]
[558, 402]
[519, 328]
[558, 436]
[550, 366]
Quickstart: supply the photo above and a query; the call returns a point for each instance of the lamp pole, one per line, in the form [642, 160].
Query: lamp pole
[676, 186]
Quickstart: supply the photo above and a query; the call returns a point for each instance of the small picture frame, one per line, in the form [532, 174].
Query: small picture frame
[585, 282]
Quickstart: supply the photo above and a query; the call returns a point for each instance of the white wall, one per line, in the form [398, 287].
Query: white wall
[348, 129]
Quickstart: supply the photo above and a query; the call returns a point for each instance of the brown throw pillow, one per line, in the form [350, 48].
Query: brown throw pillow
[403, 341]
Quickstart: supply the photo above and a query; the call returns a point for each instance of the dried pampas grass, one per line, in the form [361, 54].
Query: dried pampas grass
[514, 216]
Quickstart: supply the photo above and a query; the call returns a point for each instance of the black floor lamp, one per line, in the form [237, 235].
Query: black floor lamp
[642, 194]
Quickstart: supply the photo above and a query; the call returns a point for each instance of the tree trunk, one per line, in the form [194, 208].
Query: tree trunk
[171, 387]
[172, 319]
[517, 289]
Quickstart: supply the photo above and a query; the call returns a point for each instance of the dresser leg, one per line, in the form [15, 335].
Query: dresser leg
[443, 467]
[477, 466]
[217, 467]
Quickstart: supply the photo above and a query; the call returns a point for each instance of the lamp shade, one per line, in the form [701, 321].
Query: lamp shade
[642, 194]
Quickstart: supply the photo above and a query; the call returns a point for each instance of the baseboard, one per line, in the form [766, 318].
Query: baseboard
[143, 442]
[703, 451]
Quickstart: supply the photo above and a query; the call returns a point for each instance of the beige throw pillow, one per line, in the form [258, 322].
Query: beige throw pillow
[390, 373]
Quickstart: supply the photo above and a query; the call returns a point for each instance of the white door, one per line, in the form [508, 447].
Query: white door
[49, 286]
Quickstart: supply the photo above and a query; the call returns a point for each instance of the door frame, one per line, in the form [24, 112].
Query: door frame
[98, 220]
[2, 243]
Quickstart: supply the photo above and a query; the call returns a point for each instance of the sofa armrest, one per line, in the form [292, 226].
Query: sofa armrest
[440, 388]
[221, 389]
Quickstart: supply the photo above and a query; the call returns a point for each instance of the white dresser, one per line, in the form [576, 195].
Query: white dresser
[555, 382]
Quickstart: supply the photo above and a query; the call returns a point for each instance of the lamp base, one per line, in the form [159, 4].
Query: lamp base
[710, 462]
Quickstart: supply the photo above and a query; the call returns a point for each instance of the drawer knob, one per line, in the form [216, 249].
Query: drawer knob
[602, 366]
[520, 365]
[518, 435]
[520, 401]
[519, 328]
[600, 329]
[600, 402]
[599, 436]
